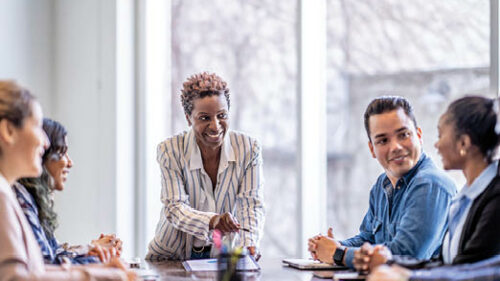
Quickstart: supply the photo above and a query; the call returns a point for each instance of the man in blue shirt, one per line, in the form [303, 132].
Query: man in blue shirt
[409, 201]
[487, 270]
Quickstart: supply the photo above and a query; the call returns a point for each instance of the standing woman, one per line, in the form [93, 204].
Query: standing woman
[469, 136]
[211, 178]
[22, 144]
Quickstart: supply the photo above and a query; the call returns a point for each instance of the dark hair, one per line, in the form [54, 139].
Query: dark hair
[202, 85]
[476, 117]
[385, 104]
[40, 188]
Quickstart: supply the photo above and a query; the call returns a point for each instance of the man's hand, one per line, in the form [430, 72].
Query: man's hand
[369, 257]
[322, 248]
[225, 223]
[385, 273]
[381, 255]
[362, 257]
[312, 243]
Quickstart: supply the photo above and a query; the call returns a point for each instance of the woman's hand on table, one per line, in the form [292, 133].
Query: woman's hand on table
[106, 247]
[115, 262]
[252, 250]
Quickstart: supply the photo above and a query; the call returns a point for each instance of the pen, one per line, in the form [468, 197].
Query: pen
[244, 229]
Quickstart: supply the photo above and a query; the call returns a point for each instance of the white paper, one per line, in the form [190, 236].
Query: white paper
[211, 265]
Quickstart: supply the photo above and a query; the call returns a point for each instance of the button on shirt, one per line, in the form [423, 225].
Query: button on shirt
[410, 219]
[196, 162]
[460, 206]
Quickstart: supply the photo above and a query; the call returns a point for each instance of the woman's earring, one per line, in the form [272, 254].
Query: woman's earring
[462, 152]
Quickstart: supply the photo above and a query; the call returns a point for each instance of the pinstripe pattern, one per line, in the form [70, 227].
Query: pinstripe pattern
[239, 190]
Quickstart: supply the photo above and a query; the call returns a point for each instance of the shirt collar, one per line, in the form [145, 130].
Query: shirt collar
[405, 179]
[5, 186]
[193, 153]
[479, 184]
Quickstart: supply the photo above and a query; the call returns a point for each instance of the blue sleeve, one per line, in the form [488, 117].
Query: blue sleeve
[365, 233]
[30, 211]
[423, 222]
[452, 274]
[61, 254]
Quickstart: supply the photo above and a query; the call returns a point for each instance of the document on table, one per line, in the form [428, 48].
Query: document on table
[245, 264]
[146, 274]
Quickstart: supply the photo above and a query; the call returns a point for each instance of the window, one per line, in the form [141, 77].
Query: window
[430, 52]
[253, 46]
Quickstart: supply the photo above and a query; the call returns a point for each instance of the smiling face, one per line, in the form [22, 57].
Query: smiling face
[210, 121]
[58, 166]
[395, 142]
[448, 145]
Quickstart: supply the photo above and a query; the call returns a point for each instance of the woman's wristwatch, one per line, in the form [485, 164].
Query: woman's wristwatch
[338, 256]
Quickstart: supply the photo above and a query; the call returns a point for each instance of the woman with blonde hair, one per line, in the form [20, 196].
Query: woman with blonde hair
[22, 144]
[35, 195]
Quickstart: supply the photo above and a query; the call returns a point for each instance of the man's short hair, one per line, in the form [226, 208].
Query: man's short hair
[385, 104]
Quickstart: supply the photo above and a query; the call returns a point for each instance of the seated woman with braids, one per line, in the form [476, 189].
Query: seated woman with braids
[35, 195]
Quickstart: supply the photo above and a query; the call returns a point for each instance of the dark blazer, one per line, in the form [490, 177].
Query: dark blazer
[480, 235]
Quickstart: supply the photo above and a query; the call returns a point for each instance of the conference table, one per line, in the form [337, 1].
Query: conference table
[271, 270]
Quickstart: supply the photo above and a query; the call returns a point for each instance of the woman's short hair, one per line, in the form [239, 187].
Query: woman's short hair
[15, 102]
[202, 85]
[41, 188]
[476, 117]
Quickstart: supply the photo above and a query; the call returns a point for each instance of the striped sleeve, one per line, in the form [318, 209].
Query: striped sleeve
[177, 210]
[250, 197]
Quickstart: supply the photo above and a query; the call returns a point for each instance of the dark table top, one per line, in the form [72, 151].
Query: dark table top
[271, 269]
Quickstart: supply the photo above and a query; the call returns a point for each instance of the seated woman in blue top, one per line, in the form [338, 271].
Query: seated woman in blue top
[469, 135]
[211, 178]
[35, 195]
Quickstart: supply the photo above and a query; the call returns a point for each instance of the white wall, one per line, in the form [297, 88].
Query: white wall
[86, 98]
[79, 58]
[26, 46]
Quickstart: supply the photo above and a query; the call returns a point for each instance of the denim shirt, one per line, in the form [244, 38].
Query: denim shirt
[410, 219]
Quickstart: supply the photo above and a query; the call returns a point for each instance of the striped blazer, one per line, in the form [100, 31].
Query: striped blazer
[239, 190]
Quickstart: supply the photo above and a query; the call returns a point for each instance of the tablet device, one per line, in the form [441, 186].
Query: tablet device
[308, 264]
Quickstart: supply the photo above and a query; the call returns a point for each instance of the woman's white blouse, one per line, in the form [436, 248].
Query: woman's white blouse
[186, 186]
